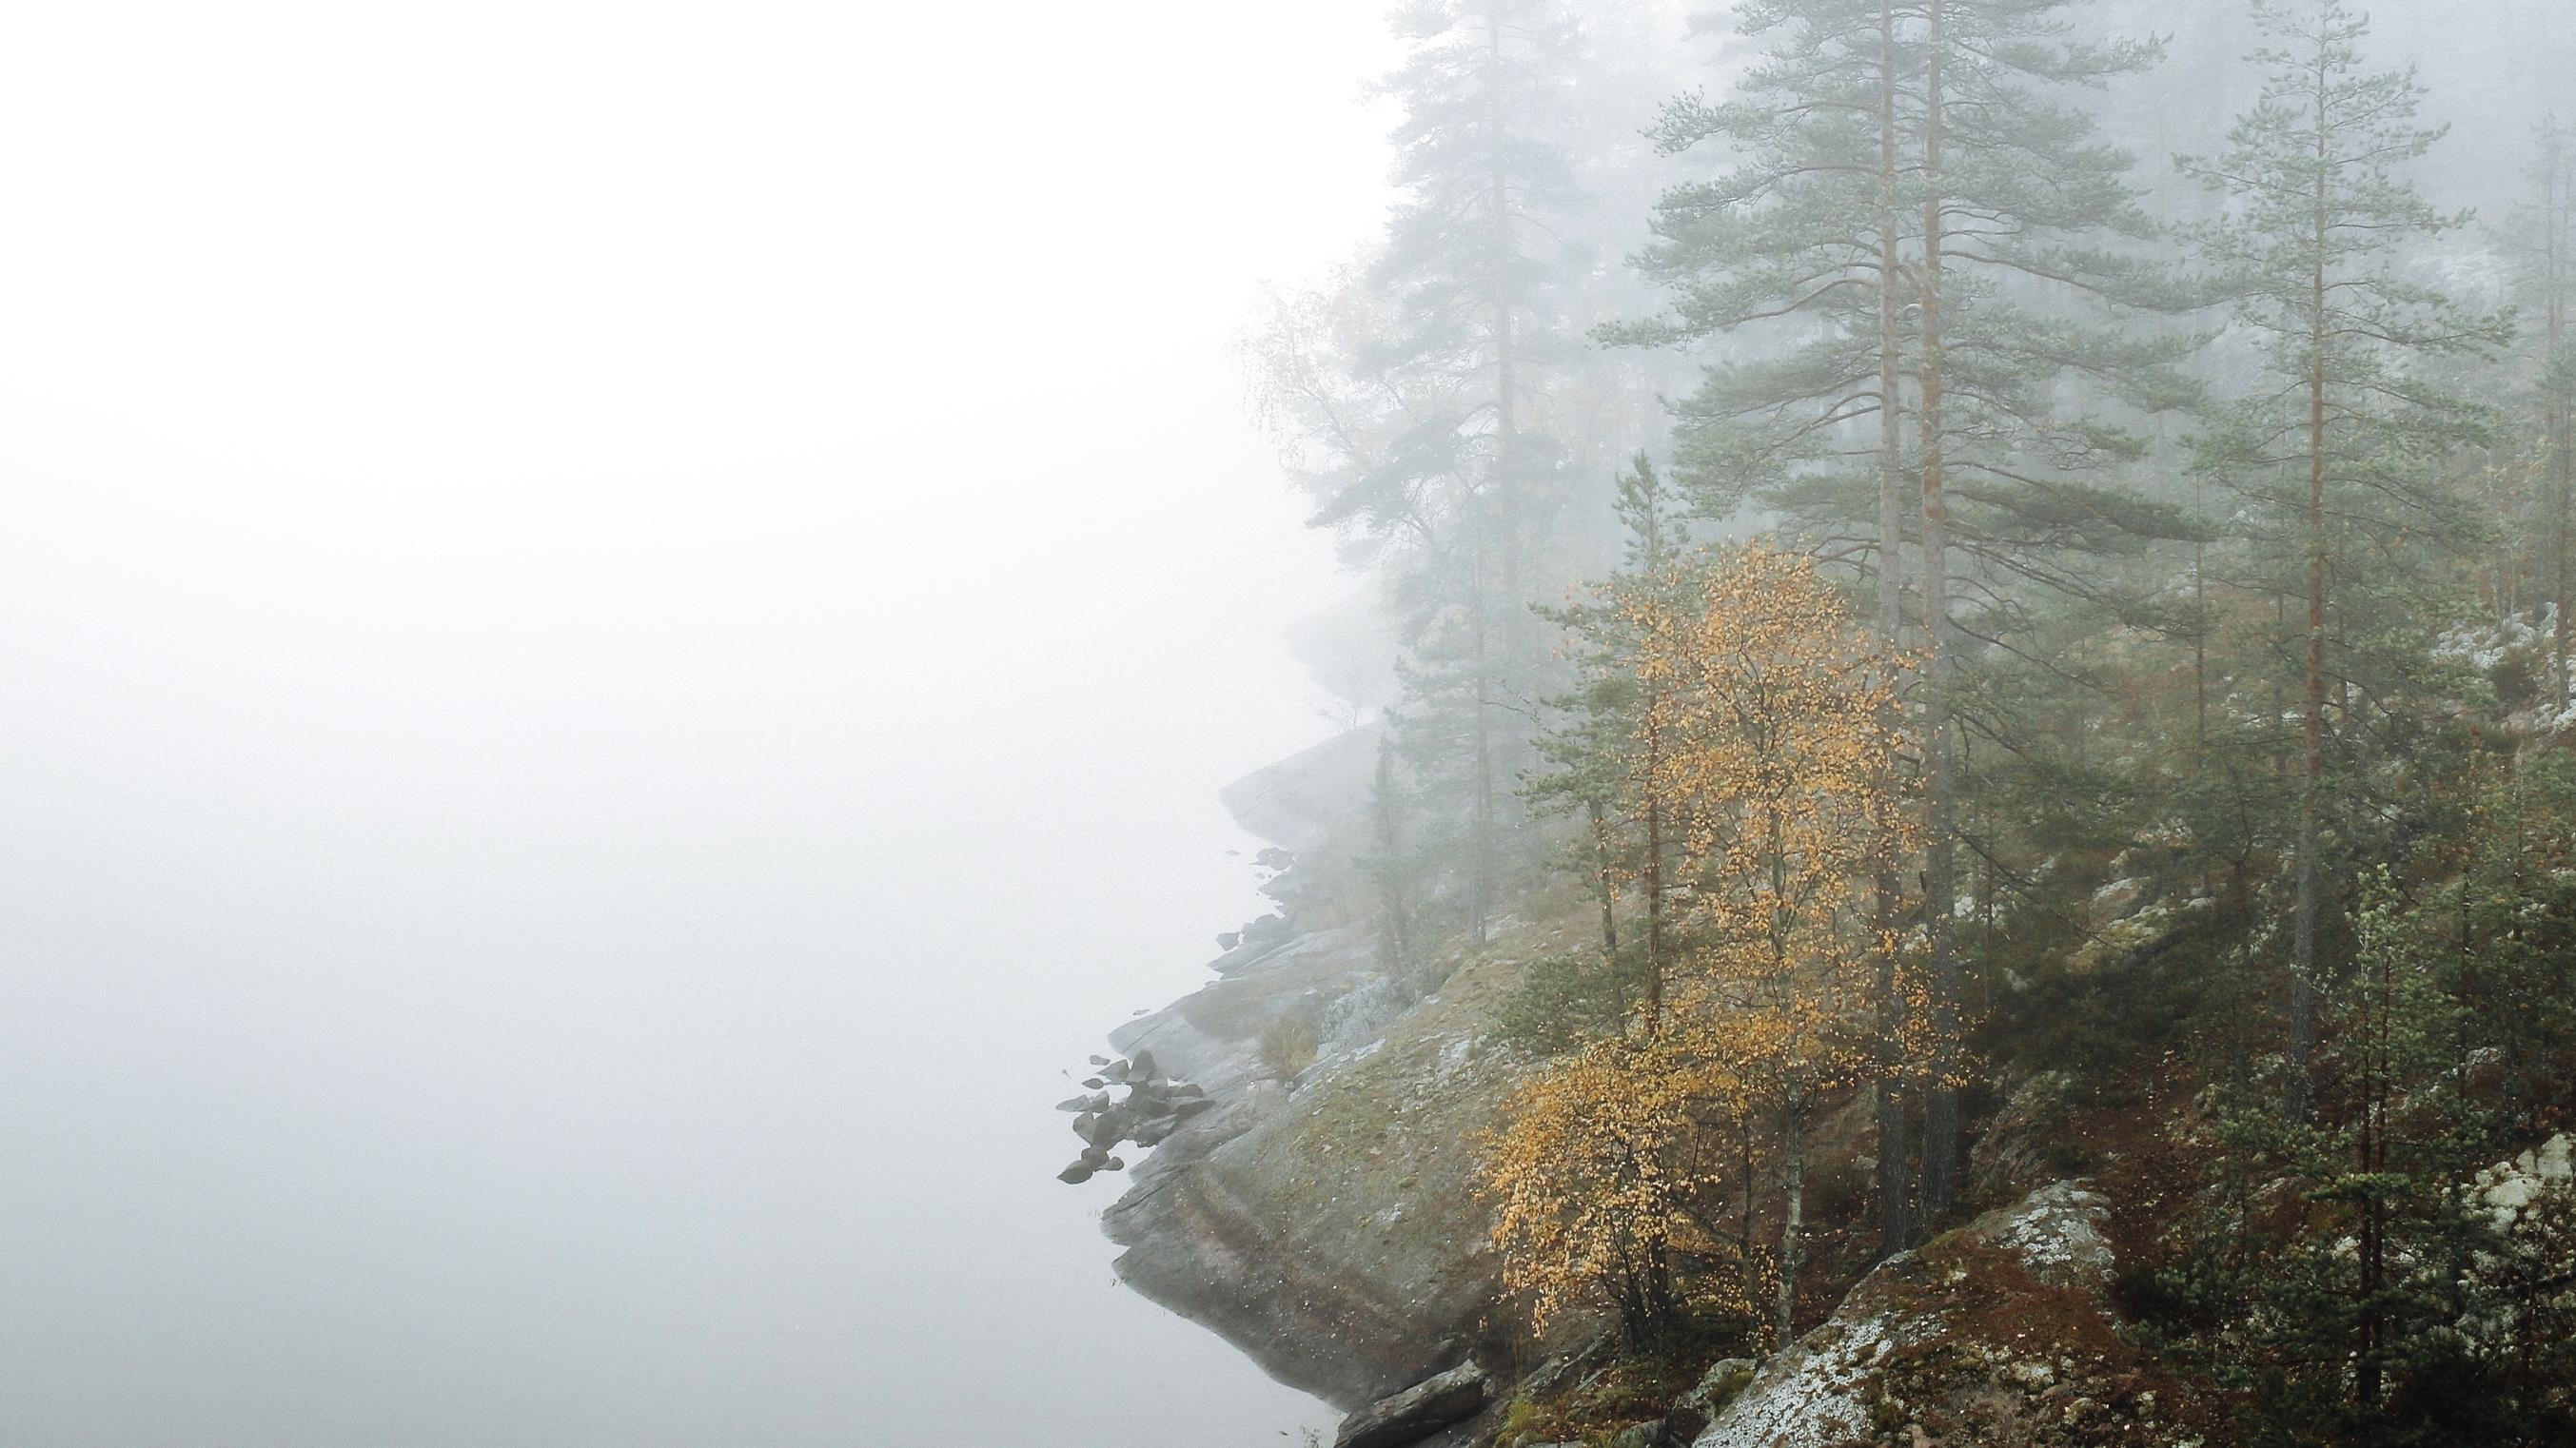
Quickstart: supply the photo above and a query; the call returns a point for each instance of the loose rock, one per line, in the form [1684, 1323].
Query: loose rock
[1417, 1412]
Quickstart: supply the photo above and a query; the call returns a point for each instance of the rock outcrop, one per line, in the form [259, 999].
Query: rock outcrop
[1323, 1216]
[1999, 1332]
[1333, 1231]
[2509, 1188]
[1300, 802]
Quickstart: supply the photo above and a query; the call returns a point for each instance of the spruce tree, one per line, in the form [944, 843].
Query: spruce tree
[2387, 1300]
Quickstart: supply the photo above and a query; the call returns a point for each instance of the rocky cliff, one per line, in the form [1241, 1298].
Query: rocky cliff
[1323, 1217]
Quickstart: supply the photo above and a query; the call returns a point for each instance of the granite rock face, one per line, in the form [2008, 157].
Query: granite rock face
[2508, 1189]
[1326, 1220]
[1329, 1227]
[1999, 1332]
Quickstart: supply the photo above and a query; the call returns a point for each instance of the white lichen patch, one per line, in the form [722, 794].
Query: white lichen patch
[1814, 1395]
[2509, 1187]
[1820, 1392]
[2057, 1232]
[2032, 1374]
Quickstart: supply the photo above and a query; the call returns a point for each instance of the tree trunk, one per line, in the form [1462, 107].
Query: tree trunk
[1480, 891]
[1394, 898]
[2373, 1250]
[1895, 1185]
[1506, 376]
[1604, 877]
[1500, 516]
[1744, 1228]
[2303, 916]
[1940, 875]
[1793, 1219]
[2554, 218]
[1654, 889]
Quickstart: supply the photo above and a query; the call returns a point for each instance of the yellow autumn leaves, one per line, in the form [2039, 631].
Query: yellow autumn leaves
[1626, 1175]
[1597, 1181]
[1781, 732]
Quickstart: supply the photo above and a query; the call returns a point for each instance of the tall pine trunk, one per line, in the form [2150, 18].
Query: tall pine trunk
[1940, 875]
[1480, 902]
[1502, 507]
[2553, 380]
[1604, 875]
[1498, 204]
[2303, 917]
[1895, 1185]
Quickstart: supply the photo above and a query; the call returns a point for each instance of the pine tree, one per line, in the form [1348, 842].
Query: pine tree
[1606, 740]
[1790, 262]
[1911, 211]
[2026, 211]
[1406, 393]
[2342, 448]
[1469, 265]
[2541, 240]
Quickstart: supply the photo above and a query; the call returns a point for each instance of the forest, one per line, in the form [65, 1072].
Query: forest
[1979, 543]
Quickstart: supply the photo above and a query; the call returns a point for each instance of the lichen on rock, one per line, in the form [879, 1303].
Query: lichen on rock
[1999, 1332]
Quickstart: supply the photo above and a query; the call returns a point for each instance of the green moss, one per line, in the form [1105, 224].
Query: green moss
[1886, 1415]
[1524, 1422]
[1730, 1387]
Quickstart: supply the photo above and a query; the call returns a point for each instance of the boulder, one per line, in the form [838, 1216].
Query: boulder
[1417, 1412]
[1997, 1332]
[2509, 1188]
[1720, 1385]
[2027, 1143]
[2056, 1234]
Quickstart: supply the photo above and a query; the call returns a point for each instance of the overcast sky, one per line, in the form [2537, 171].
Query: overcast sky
[619, 624]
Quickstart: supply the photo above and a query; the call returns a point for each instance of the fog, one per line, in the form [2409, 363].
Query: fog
[621, 625]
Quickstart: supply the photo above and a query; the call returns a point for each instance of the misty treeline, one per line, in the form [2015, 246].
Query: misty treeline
[1985, 538]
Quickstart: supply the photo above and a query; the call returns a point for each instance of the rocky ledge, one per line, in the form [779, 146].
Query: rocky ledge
[1322, 1216]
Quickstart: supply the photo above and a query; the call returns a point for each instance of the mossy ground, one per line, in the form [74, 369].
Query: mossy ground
[1634, 1387]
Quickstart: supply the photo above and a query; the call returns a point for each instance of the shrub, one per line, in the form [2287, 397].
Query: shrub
[1563, 1002]
[1288, 1045]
